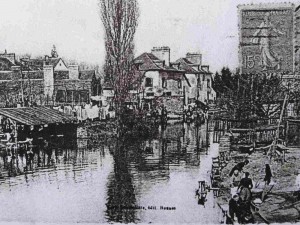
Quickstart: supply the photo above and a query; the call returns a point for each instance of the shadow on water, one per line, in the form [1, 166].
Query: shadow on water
[146, 160]
[121, 198]
[105, 180]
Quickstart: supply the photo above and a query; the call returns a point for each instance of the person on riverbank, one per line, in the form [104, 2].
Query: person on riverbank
[245, 198]
[239, 167]
[234, 210]
[246, 182]
[236, 178]
[268, 175]
[235, 181]
[245, 206]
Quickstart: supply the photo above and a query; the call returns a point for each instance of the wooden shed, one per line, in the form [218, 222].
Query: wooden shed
[56, 122]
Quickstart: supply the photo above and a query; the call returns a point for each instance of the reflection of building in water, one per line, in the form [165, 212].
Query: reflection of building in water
[177, 145]
[153, 160]
[82, 143]
[195, 135]
[63, 156]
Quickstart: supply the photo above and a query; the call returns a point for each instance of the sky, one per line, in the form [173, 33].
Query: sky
[74, 27]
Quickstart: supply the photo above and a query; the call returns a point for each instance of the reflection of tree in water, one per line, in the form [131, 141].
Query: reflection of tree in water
[142, 163]
[120, 190]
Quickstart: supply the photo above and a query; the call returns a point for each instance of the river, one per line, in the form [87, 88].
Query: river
[98, 181]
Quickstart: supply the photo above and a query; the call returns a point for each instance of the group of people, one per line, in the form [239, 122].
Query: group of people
[241, 186]
[239, 204]
[195, 114]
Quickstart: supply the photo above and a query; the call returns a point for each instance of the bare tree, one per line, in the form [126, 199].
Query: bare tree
[120, 20]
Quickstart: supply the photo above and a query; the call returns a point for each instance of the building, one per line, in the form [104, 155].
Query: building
[173, 84]
[199, 79]
[162, 81]
[44, 81]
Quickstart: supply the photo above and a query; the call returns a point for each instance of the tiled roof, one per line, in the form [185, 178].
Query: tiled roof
[86, 74]
[188, 66]
[32, 64]
[36, 115]
[34, 75]
[9, 75]
[148, 61]
[52, 61]
[7, 61]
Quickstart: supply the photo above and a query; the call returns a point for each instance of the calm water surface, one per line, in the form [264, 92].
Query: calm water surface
[102, 181]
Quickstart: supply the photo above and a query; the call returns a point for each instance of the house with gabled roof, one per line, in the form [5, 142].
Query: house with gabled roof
[47, 78]
[161, 80]
[199, 79]
[57, 63]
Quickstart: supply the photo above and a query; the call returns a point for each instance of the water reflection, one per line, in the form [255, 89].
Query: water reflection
[142, 164]
[102, 180]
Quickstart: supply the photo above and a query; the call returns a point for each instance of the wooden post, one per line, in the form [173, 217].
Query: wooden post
[16, 131]
[184, 96]
[72, 98]
[286, 132]
[207, 138]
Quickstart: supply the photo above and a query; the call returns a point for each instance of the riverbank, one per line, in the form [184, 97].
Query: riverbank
[282, 204]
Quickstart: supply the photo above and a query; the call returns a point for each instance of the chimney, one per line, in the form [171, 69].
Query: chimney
[73, 72]
[163, 53]
[205, 68]
[195, 57]
[48, 80]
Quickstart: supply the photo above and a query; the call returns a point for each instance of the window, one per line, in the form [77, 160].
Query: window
[60, 96]
[84, 96]
[208, 83]
[148, 82]
[179, 84]
[164, 82]
[69, 97]
[169, 93]
[199, 81]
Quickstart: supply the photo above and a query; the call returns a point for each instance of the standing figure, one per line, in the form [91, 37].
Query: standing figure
[235, 181]
[239, 167]
[268, 176]
[246, 182]
[234, 210]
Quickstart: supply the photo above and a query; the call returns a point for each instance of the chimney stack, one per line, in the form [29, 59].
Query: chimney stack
[205, 68]
[73, 72]
[195, 57]
[163, 53]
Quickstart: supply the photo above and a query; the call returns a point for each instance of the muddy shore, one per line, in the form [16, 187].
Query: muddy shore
[282, 204]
